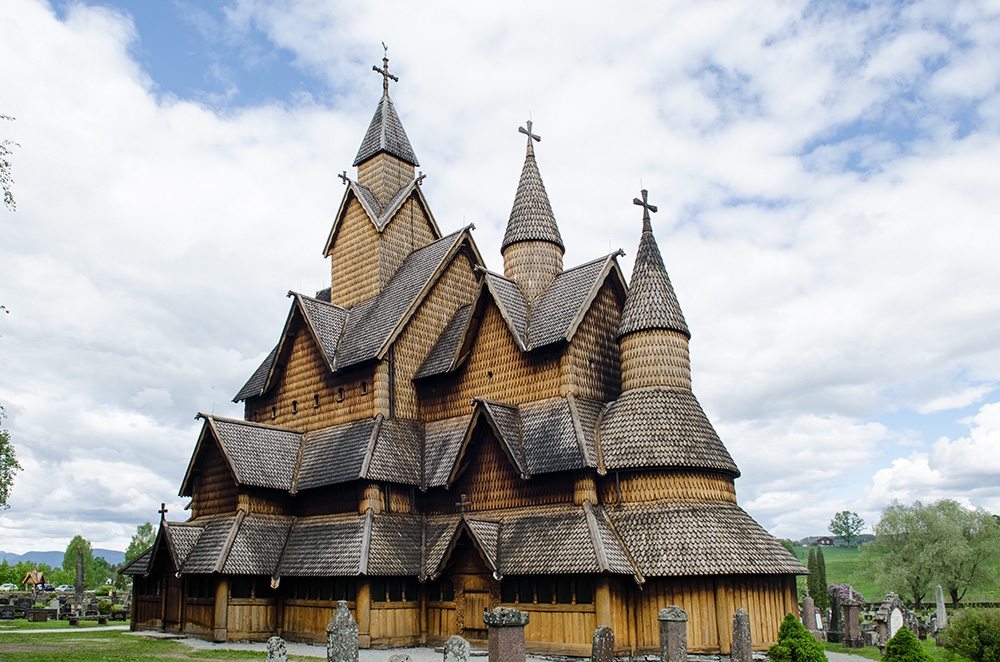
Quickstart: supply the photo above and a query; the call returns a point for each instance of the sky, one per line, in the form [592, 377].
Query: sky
[826, 175]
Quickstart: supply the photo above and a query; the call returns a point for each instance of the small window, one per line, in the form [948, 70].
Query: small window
[316, 401]
[395, 590]
[255, 417]
[262, 588]
[295, 406]
[447, 591]
[508, 591]
[410, 589]
[364, 388]
[340, 395]
[274, 412]
[526, 591]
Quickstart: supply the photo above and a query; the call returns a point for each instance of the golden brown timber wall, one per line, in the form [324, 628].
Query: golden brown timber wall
[652, 485]
[595, 343]
[395, 623]
[251, 619]
[496, 369]
[306, 375]
[455, 288]
[354, 257]
[710, 603]
[384, 175]
[267, 502]
[441, 621]
[327, 500]
[213, 489]
[490, 481]
[305, 620]
[408, 230]
[199, 616]
[655, 358]
[533, 265]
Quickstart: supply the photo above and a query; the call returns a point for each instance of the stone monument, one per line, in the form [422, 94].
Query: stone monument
[673, 634]
[603, 648]
[506, 638]
[342, 635]
[742, 650]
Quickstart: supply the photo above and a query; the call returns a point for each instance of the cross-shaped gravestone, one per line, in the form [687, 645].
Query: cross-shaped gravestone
[384, 70]
[532, 138]
[162, 511]
[462, 503]
[646, 208]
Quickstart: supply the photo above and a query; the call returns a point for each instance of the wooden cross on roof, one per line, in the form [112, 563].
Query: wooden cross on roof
[385, 71]
[532, 138]
[421, 178]
[462, 503]
[343, 176]
[646, 208]
[162, 511]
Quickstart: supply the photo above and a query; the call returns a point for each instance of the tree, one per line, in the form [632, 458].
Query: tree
[846, 525]
[904, 647]
[823, 599]
[795, 644]
[8, 463]
[975, 634]
[93, 574]
[6, 178]
[916, 546]
[145, 536]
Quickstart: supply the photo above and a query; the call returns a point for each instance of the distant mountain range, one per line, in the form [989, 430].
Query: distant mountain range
[55, 559]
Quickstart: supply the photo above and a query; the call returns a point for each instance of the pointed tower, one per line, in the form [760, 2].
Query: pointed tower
[532, 247]
[385, 162]
[652, 334]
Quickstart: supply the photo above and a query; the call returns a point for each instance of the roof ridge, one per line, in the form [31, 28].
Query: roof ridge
[603, 258]
[240, 421]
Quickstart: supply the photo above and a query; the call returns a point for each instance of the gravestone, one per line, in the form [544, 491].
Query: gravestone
[506, 638]
[6, 612]
[836, 629]
[941, 612]
[456, 649]
[810, 618]
[399, 657]
[603, 648]
[852, 624]
[342, 635]
[673, 634]
[276, 651]
[742, 651]
[891, 616]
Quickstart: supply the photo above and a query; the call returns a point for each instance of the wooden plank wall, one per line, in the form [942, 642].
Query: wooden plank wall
[395, 624]
[213, 489]
[590, 367]
[442, 621]
[305, 620]
[252, 620]
[199, 616]
[147, 611]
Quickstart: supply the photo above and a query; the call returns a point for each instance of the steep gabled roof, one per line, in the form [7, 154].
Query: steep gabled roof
[395, 548]
[386, 134]
[379, 215]
[531, 217]
[661, 427]
[139, 565]
[256, 548]
[651, 302]
[257, 455]
[255, 385]
[325, 547]
[209, 552]
[553, 317]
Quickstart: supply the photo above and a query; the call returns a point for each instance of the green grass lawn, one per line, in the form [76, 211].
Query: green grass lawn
[25, 624]
[844, 566]
[938, 653]
[99, 644]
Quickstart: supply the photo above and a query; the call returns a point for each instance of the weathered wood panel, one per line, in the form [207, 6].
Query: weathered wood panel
[395, 624]
[213, 489]
[147, 612]
[590, 367]
[354, 258]
[305, 620]
[441, 621]
[408, 230]
[650, 485]
[253, 620]
[199, 616]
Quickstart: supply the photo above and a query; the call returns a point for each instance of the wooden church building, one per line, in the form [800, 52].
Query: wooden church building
[429, 439]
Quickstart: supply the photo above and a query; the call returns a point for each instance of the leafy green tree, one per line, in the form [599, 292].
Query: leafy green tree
[823, 602]
[846, 525]
[817, 577]
[145, 536]
[8, 463]
[919, 545]
[975, 634]
[904, 647]
[95, 570]
[795, 644]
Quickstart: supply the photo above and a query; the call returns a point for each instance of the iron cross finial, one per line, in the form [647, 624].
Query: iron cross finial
[532, 138]
[421, 178]
[462, 503]
[162, 511]
[385, 71]
[343, 176]
[646, 208]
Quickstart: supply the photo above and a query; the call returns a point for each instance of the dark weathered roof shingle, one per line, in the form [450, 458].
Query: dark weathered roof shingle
[256, 549]
[261, 456]
[531, 217]
[661, 427]
[335, 454]
[651, 302]
[442, 356]
[386, 134]
[324, 547]
[255, 385]
[395, 545]
[204, 557]
[442, 443]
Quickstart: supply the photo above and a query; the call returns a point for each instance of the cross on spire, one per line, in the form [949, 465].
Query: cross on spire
[385, 71]
[646, 208]
[162, 511]
[531, 137]
[462, 503]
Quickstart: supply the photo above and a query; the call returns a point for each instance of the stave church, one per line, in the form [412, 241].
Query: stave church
[429, 439]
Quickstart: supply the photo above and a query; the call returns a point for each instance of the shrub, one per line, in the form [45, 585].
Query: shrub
[904, 647]
[975, 634]
[105, 607]
[795, 644]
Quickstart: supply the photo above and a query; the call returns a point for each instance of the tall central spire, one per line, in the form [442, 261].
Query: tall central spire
[385, 133]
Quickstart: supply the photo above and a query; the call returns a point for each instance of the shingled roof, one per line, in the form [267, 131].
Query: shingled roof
[386, 134]
[695, 537]
[531, 217]
[651, 302]
[661, 427]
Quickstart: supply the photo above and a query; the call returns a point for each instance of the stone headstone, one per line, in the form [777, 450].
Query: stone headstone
[506, 638]
[742, 651]
[400, 657]
[276, 651]
[809, 613]
[54, 604]
[941, 612]
[895, 621]
[852, 625]
[342, 635]
[835, 632]
[673, 634]
[456, 649]
[603, 648]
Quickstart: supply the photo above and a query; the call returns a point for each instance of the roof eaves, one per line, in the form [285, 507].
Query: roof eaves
[514, 453]
[394, 205]
[366, 543]
[220, 563]
[595, 539]
[639, 579]
[520, 339]
[272, 373]
[581, 440]
[341, 210]
[185, 486]
[370, 450]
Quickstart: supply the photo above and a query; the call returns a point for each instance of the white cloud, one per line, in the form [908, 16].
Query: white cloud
[830, 234]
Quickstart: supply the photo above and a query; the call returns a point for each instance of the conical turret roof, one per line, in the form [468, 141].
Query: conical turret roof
[651, 302]
[531, 217]
[386, 134]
